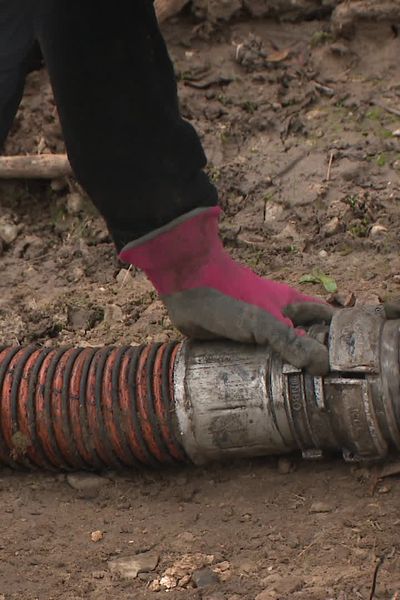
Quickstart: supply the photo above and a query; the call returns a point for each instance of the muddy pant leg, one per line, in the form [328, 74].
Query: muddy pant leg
[16, 43]
[114, 85]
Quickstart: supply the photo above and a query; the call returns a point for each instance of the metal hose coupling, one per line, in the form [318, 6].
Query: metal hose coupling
[94, 408]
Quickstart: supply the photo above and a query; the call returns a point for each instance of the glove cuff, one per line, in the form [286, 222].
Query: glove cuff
[173, 254]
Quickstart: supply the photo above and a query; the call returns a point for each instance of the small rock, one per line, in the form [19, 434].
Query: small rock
[332, 227]
[83, 318]
[384, 489]
[223, 570]
[282, 586]
[267, 595]
[396, 278]
[74, 204]
[141, 284]
[168, 582]
[246, 567]
[377, 231]
[246, 518]
[222, 566]
[349, 300]
[96, 536]
[76, 274]
[221, 10]
[58, 185]
[341, 300]
[369, 275]
[315, 114]
[155, 585]
[129, 568]
[320, 507]
[9, 232]
[86, 482]
[288, 232]
[30, 246]
[272, 212]
[183, 542]
[396, 133]
[186, 537]
[99, 574]
[184, 581]
[124, 504]
[113, 314]
[322, 254]
[204, 577]
[186, 565]
[103, 235]
[124, 277]
[285, 466]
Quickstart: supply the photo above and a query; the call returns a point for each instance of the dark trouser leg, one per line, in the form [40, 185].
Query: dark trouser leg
[116, 95]
[16, 42]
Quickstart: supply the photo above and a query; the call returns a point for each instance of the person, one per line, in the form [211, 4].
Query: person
[143, 166]
[19, 54]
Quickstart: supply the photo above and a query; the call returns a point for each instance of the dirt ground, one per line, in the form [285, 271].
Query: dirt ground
[306, 156]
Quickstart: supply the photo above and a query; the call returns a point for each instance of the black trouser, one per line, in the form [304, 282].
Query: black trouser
[114, 86]
[16, 43]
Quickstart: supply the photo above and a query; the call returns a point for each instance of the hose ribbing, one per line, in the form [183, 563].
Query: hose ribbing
[88, 408]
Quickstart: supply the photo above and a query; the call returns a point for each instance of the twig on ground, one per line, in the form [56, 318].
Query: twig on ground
[389, 109]
[375, 576]
[127, 274]
[328, 173]
[324, 89]
[310, 545]
[237, 51]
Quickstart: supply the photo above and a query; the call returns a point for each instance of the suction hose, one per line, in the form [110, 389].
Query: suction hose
[95, 408]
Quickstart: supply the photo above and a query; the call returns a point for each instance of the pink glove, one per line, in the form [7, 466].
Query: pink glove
[209, 295]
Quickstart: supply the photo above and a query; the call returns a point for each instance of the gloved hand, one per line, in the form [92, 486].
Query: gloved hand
[208, 295]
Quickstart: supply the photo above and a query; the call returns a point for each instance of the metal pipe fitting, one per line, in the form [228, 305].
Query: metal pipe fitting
[74, 408]
[241, 401]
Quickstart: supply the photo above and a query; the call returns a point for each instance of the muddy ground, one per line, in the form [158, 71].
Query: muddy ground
[307, 160]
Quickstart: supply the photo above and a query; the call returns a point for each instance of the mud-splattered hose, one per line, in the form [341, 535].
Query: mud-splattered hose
[75, 408]
[95, 408]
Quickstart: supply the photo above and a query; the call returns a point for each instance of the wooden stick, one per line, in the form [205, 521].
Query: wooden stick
[328, 173]
[168, 8]
[36, 166]
[389, 109]
[375, 577]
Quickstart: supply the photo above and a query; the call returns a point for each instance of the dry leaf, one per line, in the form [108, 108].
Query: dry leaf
[278, 56]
